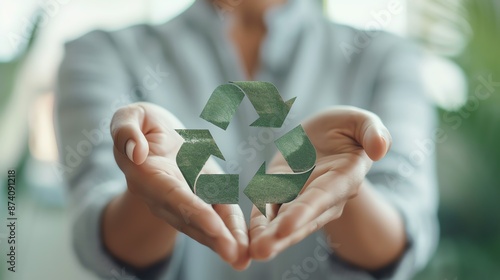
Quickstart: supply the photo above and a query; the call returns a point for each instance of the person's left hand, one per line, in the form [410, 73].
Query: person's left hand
[347, 141]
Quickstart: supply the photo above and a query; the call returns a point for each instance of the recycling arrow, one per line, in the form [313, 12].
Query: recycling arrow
[297, 149]
[274, 188]
[197, 148]
[264, 96]
[299, 153]
[199, 145]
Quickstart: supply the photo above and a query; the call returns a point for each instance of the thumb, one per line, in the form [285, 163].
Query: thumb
[126, 130]
[373, 136]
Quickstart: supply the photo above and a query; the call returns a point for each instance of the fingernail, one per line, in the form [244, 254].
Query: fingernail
[386, 141]
[129, 149]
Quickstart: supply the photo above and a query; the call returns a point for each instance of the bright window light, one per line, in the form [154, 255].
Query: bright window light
[387, 15]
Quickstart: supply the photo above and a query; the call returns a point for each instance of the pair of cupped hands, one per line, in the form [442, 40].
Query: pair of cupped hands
[347, 140]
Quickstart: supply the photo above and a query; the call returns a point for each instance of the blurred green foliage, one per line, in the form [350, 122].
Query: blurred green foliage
[469, 161]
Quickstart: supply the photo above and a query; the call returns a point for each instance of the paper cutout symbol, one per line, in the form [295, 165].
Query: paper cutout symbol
[199, 145]
[300, 155]
[265, 98]
[197, 148]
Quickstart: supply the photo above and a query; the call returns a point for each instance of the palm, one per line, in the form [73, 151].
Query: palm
[160, 164]
[335, 152]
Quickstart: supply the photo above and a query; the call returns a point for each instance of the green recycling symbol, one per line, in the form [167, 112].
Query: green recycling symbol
[263, 188]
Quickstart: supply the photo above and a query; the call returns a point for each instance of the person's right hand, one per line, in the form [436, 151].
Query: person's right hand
[145, 149]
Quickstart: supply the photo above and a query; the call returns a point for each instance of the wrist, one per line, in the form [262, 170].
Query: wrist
[370, 230]
[133, 234]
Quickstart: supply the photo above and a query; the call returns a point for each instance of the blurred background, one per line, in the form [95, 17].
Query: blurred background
[461, 40]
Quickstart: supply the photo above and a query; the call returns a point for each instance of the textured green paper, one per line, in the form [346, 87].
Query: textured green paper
[300, 155]
[197, 148]
[218, 188]
[199, 145]
[222, 105]
[297, 149]
[264, 96]
[274, 188]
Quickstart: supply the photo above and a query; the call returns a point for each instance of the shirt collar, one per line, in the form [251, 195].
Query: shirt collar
[286, 23]
[286, 27]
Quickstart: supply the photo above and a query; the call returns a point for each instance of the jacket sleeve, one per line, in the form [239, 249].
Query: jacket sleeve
[92, 84]
[406, 176]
